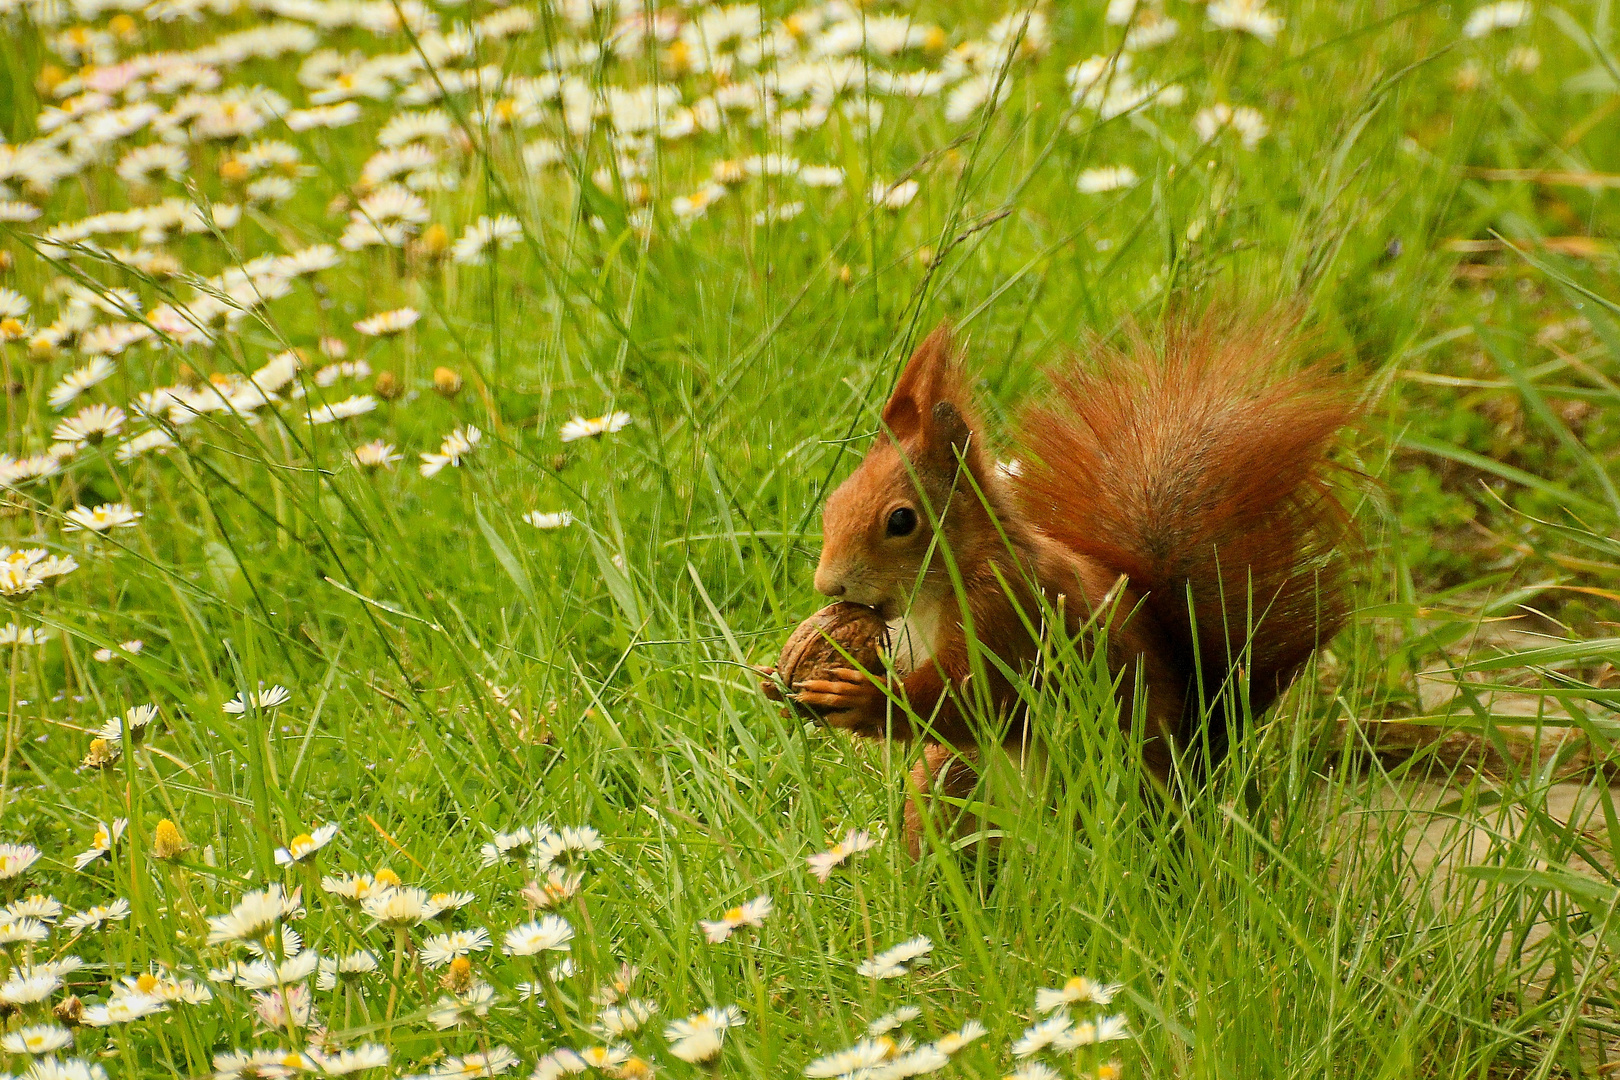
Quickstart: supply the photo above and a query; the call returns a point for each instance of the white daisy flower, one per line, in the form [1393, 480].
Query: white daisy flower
[1487, 18]
[463, 1008]
[401, 905]
[12, 634]
[1247, 16]
[356, 405]
[558, 888]
[1043, 1033]
[618, 1021]
[1076, 990]
[752, 913]
[891, 1020]
[1107, 178]
[855, 841]
[503, 844]
[25, 986]
[306, 844]
[13, 304]
[550, 933]
[1249, 126]
[96, 917]
[101, 518]
[154, 439]
[440, 949]
[31, 931]
[868, 1054]
[135, 721]
[260, 1064]
[149, 164]
[582, 428]
[254, 914]
[894, 196]
[47, 909]
[17, 858]
[501, 231]
[79, 380]
[456, 446]
[388, 323]
[377, 454]
[701, 1037]
[124, 1009]
[264, 699]
[1106, 1029]
[330, 970]
[953, 1041]
[491, 1062]
[101, 844]
[90, 425]
[558, 519]
[820, 176]
[899, 960]
[37, 1039]
[1034, 1070]
[358, 1059]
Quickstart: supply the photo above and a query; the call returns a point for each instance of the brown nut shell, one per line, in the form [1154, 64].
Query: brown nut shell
[809, 654]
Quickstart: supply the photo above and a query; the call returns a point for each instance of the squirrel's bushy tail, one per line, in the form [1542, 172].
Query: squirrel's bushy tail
[1194, 462]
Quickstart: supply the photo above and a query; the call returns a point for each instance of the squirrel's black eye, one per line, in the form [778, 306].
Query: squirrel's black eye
[902, 522]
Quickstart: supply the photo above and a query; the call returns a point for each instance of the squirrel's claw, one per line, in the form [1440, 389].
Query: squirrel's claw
[768, 682]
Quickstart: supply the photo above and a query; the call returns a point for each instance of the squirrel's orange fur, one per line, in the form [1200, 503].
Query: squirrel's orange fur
[1180, 471]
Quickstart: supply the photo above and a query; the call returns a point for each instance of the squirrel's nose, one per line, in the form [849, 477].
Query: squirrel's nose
[826, 584]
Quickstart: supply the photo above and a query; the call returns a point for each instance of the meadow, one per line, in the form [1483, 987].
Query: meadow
[418, 416]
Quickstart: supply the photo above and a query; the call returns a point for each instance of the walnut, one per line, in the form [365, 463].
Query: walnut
[809, 654]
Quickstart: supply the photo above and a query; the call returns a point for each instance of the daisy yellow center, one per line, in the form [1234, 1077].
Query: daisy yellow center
[386, 877]
[734, 915]
[460, 966]
[293, 1061]
[302, 840]
[146, 983]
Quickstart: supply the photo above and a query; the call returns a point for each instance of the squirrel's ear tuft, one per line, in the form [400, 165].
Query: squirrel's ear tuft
[949, 431]
[931, 378]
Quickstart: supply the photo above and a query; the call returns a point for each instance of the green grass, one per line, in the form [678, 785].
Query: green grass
[456, 672]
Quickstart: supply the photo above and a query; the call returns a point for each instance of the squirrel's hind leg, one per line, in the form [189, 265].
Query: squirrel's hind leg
[941, 770]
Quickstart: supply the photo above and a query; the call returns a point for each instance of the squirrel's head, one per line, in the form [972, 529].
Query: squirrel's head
[926, 466]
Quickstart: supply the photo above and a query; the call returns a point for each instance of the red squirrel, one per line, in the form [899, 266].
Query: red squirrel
[1183, 469]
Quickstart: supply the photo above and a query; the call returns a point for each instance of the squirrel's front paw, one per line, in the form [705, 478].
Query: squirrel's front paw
[847, 699]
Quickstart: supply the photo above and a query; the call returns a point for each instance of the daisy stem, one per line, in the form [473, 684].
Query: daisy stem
[553, 995]
[11, 724]
[400, 935]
